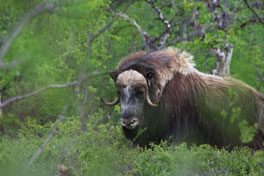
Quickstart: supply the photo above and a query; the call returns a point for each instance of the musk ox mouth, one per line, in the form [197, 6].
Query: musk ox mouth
[129, 123]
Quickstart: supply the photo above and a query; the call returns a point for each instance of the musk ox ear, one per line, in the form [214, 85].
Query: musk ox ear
[149, 75]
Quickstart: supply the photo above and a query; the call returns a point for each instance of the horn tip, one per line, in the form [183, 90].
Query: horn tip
[155, 105]
[110, 103]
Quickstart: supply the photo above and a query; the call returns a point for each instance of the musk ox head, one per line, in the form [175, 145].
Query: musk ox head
[132, 90]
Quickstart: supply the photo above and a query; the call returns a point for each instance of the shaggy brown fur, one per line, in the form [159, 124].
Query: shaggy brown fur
[195, 107]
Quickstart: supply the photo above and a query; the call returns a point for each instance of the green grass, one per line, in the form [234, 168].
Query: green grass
[103, 150]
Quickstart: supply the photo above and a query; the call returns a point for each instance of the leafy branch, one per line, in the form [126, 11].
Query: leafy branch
[41, 8]
[254, 12]
[166, 34]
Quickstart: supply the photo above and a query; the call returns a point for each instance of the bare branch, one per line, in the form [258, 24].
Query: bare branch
[261, 76]
[42, 7]
[149, 43]
[51, 133]
[90, 39]
[242, 25]
[144, 35]
[218, 53]
[76, 99]
[133, 22]
[164, 37]
[36, 92]
[94, 36]
[254, 12]
[73, 83]
[12, 64]
[178, 40]
[81, 106]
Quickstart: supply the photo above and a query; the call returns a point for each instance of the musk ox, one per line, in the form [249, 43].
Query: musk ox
[164, 97]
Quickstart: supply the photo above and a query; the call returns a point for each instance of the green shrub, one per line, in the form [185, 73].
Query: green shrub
[103, 150]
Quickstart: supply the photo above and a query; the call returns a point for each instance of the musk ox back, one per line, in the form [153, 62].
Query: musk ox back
[164, 97]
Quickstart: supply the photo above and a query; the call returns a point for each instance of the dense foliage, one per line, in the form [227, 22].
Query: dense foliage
[69, 39]
[103, 150]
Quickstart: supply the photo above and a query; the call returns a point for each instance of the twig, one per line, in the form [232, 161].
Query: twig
[132, 21]
[178, 40]
[148, 44]
[51, 133]
[37, 91]
[81, 105]
[91, 39]
[242, 25]
[254, 12]
[258, 72]
[12, 64]
[164, 37]
[42, 7]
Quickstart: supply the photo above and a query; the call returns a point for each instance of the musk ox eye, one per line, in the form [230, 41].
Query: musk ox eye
[118, 91]
[150, 75]
[139, 90]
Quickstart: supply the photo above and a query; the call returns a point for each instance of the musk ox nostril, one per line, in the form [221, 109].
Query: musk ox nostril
[132, 121]
[129, 123]
[123, 122]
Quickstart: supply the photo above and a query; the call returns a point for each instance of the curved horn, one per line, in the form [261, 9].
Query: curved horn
[148, 99]
[115, 102]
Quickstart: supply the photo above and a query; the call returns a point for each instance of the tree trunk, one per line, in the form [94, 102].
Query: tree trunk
[1, 109]
[82, 119]
[223, 60]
